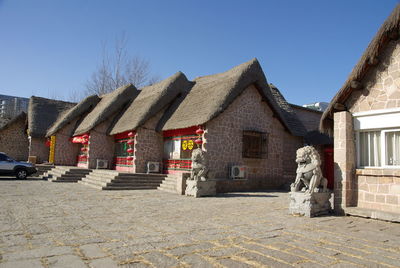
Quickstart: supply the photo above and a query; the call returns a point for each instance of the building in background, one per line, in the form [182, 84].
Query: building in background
[42, 114]
[11, 106]
[319, 106]
[14, 139]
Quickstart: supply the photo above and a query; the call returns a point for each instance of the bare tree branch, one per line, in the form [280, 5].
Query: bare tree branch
[119, 69]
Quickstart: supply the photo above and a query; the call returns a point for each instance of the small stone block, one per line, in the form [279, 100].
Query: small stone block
[309, 205]
[201, 188]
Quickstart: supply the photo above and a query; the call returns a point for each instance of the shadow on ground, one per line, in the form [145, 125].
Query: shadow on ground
[255, 194]
[10, 178]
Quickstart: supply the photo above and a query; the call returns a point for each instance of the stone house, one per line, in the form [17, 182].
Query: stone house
[64, 148]
[42, 113]
[91, 132]
[136, 140]
[243, 124]
[364, 117]
[14, 139]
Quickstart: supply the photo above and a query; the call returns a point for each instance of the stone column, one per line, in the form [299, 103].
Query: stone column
[148, 147]
[344, 161]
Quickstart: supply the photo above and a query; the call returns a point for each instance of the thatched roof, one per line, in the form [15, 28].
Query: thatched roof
[20, 117]
[84, 106]
[289, 115]
[388, 31]
[211, 95]
[317, 138]
[3, 121]
[150, 101]
[42, 113]
[109, 104]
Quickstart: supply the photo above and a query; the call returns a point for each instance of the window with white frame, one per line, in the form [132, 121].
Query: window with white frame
[378, 138]
[370, 149]
[392, 144]
[379, 148]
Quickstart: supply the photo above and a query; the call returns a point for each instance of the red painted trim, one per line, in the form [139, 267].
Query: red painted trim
[82, 165]
[180, 132]
[128, 169]
[123, 161]
[177, 163]
[175, 171]
[182, 137]
[123, 135]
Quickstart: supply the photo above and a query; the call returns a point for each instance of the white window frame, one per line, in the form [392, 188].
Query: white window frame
[383, 148]
[384, 121]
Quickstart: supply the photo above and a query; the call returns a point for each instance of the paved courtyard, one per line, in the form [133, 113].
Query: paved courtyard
[44, 224]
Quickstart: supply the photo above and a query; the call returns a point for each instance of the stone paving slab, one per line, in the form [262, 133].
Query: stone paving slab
[44, 224]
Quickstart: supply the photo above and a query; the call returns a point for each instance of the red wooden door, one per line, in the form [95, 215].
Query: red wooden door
[328, 170]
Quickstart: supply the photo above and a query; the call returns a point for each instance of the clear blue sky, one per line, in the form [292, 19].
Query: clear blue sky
[306, 48]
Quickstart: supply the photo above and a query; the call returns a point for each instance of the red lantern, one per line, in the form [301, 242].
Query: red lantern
[199, 131]
[199, 141]
[130, 142]
[85, 142]
[86, 136]
[130, 150]
[83, 149]
[129, 158]
[131, 134]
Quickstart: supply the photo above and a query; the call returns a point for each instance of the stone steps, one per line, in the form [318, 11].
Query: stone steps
[41, 169]
[66, 174]
[92, 184]
[112, 187]
[168, 185]
[114, 180]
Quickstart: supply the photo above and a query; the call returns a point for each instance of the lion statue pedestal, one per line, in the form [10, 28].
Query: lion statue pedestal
[199, 183]
[309, 195]
[200, 188]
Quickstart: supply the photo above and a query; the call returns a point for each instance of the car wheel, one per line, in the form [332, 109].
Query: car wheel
[21, 174]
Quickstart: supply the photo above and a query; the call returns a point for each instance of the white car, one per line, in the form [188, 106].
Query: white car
[20, 170]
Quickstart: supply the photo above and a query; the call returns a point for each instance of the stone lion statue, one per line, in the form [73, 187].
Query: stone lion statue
[199, 166]
[309, 175]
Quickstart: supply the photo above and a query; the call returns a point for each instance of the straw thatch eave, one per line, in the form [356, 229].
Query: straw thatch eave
[42, 113]
[109, 104]
[84, 106]
[211, 95]
[20, 117]
[389, 30]
[149, 102]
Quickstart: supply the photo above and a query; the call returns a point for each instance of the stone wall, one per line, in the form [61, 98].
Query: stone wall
[309, 118]
[66, 152]
[148, 144]
[379, 192]
[38, 148]
[101, 146]
[223, 143]
[382, 84]
[14, 141]
[381, 90]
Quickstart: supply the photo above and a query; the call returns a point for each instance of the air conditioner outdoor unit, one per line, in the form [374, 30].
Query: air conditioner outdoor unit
[238, 172]
[101, 163]
[153, 167]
